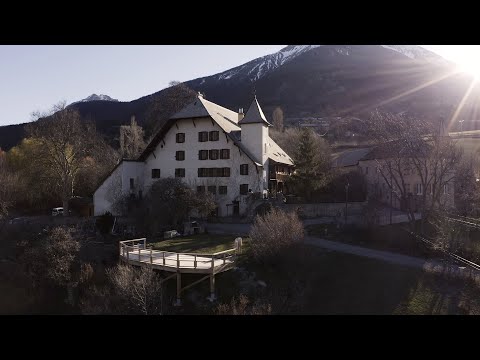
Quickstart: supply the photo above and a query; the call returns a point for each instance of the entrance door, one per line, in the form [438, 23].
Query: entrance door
[236, 208]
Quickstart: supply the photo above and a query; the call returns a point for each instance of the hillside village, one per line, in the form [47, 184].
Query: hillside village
[189, 205]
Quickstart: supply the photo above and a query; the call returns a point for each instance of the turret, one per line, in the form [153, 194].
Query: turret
[255, 136]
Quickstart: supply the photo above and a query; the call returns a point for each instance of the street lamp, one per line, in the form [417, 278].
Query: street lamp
[461, 125]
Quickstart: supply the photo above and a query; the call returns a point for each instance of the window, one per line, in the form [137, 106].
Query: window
[203, 155]
[202, 172]
[203, 136]
[180, 137]
[244, 189]
[214, 136]
[155, 173]
[225, 154]
[213, 172]
[366, 170]
[213, 154]
[212, 189]
[244, 169]
[179, 172]
[418, 189]
[180, 155]
[200, 189]
[225, 172]
[132, 183]
[222, 190]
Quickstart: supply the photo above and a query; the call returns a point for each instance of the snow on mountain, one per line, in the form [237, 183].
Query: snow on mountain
[257, 68]
[418, 53]
[95, 97]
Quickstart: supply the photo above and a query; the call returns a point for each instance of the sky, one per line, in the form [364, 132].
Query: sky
[35, 77]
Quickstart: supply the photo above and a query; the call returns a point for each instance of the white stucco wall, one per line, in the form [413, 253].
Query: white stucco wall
[116, 185]
[255, 138]
[163, 158]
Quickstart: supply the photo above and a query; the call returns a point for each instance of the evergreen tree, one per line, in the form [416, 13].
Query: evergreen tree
[311, 169]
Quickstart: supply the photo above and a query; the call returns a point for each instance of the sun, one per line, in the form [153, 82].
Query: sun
[472, 68]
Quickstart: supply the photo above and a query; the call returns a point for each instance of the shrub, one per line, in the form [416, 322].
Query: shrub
[105, 223]
[274, 233]
[241, 307]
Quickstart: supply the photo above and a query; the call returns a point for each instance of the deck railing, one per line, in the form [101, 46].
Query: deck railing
[147, 255]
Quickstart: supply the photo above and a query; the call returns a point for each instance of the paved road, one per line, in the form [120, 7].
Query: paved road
[394, 258]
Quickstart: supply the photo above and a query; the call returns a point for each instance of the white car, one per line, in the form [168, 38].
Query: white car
[57, 211]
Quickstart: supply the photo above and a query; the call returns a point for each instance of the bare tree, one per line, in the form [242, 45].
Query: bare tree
[277, 117]
[8, 188]
[170, 201]
[243, 306]
[54, 258]
[165, 104]
[139, 290]
[274, 233]
[467, 189]
[407, 146]
[64, 143]
[131, 140]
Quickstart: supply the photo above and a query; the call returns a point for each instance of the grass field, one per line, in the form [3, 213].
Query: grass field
[316, 281]
[201, 243]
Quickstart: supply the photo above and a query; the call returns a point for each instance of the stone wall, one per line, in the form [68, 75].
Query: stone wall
[326, 209]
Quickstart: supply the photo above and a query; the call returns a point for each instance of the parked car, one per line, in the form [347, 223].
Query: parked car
[57, 211]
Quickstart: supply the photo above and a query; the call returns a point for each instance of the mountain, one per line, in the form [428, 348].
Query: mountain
[312, 80]
[95, 97]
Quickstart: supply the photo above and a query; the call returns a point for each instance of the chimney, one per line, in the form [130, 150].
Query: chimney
[240, 114]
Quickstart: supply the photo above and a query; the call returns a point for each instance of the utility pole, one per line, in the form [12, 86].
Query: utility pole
[346, 200]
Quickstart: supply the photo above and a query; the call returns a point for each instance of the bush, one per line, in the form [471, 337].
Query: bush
[275, 232]
[242, 307]
[105, 223]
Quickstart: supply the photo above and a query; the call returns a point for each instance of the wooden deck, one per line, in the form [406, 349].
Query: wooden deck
[135, 252]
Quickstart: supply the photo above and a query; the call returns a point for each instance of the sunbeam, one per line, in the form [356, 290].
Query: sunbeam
[460, 105]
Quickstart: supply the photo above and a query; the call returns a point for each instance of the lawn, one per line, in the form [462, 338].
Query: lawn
[316, 281]
[325, 282]
[201, 243]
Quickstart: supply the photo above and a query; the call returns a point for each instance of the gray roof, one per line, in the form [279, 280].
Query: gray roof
[275, 152]
[192, 110]
[349, 157]
[228, 121]
[254, 115]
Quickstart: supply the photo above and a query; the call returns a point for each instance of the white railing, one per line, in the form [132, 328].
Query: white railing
[139, 247]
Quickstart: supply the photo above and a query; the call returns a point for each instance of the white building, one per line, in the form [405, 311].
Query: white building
[212, 149]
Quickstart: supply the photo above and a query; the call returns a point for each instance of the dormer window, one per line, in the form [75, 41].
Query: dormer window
[180, 137]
